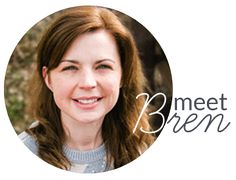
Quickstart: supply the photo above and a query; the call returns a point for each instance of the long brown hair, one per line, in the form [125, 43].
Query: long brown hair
[122, 145]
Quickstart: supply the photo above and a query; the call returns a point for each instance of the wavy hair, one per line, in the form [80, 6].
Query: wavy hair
[122, 145]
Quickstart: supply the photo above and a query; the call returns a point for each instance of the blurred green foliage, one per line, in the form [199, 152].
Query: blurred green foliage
[20, 68]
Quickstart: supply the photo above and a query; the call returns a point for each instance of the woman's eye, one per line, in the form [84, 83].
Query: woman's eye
[69, 68]
[103, 66]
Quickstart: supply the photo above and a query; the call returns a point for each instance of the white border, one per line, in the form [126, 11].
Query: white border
[198, 38]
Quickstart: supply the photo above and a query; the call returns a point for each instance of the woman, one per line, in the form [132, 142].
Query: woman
[84, 94]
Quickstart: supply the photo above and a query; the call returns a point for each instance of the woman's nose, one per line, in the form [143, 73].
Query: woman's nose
[87, 80]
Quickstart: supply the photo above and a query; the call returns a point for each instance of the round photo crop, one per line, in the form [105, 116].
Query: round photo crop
[88, 89]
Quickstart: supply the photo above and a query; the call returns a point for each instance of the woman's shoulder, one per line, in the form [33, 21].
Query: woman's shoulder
[29, 141]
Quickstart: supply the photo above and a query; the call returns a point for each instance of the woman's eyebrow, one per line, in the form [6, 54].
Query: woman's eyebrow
[97, 62]
[102, 60]
[71, 61]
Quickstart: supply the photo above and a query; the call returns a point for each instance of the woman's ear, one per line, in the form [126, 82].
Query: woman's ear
[46, 77]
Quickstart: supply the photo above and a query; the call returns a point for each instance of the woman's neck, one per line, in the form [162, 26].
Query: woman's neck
[82, 136]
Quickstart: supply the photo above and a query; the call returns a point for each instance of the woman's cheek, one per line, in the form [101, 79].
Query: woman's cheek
[63, 87]
[113, 89]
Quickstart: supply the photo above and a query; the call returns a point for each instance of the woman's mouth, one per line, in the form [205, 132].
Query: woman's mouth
[87, 102]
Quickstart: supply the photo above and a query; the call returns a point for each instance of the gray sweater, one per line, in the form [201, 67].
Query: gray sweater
[92, 161]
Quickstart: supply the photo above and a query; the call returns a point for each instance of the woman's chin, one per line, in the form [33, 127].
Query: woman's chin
[89, 118]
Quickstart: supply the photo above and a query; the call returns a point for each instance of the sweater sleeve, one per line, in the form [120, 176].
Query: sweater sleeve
[29, 141]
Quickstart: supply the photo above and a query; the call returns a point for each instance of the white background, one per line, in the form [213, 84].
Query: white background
[199, 40]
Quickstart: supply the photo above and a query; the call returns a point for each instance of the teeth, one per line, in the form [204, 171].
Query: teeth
[87, 101]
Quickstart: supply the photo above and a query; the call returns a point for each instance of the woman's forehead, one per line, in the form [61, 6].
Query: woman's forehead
[97, 45]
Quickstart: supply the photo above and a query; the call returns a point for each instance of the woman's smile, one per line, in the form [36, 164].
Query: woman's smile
[87, 102]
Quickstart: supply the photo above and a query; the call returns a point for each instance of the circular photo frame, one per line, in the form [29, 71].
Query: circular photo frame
[88, 89]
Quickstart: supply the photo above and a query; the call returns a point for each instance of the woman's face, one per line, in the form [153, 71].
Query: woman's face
[87, 81]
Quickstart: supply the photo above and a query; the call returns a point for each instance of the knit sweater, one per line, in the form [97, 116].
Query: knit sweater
[91, 161]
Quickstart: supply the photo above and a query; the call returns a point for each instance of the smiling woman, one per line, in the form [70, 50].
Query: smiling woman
[82, 95]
